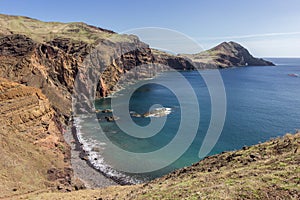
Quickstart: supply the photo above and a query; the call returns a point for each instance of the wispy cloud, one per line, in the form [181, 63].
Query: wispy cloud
[248, 36]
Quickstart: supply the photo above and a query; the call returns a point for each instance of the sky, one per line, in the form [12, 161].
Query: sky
[268, 28]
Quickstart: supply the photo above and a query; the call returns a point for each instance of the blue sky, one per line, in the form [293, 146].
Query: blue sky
[268, 28]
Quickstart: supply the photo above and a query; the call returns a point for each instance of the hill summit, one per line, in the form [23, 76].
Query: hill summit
[224, 55]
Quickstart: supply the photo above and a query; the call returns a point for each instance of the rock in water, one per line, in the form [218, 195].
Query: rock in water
[158, 112]
[111, 118]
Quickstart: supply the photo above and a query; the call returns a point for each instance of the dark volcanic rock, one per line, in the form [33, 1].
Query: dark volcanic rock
[173, 61]
[111, 118]
[9, 47]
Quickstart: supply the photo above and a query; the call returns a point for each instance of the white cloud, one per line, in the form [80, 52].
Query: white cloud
[249, 36]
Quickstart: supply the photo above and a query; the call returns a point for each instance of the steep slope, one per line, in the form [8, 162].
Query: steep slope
[226, 54]
[39, 65]
[34, 155]
[31, 56]
[269, 170]
[50, 55]
[41, 31]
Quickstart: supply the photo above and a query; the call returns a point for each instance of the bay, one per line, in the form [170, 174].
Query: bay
[262, 103]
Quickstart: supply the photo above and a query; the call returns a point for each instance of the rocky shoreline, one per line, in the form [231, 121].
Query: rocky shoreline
[83, 169]
[51, 62]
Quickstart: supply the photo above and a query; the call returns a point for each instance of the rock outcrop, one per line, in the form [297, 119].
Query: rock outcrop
[41, 66]
[176, 62]
[34, 155]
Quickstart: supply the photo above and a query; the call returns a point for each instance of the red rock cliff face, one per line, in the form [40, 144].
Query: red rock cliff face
[50, 56]
[34, 155]
[56, 65]
[41, 66]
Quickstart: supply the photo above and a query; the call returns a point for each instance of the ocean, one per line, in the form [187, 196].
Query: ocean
[262, 103]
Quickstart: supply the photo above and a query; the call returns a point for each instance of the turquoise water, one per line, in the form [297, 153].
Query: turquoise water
[262, 103]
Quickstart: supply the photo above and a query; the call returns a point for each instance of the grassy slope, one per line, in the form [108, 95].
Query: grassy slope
[265, 171]
[46, 31]
[41, 31]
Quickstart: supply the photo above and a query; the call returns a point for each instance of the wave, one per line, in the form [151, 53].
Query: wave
[157, 112]
[92, 149]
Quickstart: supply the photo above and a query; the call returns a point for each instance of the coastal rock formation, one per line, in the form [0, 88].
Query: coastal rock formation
[226, 54]
[56, 57]
[54, 62]
[34, 155]
[176, 62]
[41, 66]
[47, 66]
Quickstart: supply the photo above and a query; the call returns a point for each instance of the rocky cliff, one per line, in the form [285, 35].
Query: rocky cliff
[49, 65]
[41, 66]
[54, 56]
[92, 57]
[42, 63]
[34, 155]
[176, 62]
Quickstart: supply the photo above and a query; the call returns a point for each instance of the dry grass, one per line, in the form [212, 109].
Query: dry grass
[46, 31]
[266, 171]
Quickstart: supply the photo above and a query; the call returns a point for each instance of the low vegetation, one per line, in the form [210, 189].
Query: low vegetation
[47, 31]
[270, 170]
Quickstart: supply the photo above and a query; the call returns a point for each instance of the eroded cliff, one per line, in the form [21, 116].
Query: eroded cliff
[56, 57]
[34, 155]
[54, 64]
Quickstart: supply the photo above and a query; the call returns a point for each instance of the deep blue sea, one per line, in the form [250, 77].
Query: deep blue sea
[262, 103]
